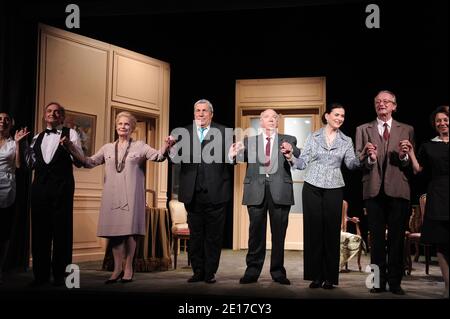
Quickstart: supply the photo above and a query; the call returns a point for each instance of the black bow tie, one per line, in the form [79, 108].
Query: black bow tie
[53, 130]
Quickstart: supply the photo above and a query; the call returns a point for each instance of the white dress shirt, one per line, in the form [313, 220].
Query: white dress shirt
[50, 143]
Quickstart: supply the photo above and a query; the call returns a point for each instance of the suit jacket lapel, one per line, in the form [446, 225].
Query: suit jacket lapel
[394, 136]
[320, 138]
[276, 146]
[374, 135]
[338, 141]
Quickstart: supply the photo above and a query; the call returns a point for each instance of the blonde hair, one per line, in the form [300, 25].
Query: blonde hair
[130, 117]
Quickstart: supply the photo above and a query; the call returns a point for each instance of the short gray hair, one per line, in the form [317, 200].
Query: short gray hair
[261, 114]
[204, 101]
[388, 92]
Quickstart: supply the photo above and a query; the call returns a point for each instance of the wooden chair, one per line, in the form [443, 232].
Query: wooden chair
[180, 228]
[414, 234]
[344, 222]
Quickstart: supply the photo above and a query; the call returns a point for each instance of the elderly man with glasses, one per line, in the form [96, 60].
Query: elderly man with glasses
[386, 190]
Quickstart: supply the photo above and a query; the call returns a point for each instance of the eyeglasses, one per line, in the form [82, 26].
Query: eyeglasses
[385, 102]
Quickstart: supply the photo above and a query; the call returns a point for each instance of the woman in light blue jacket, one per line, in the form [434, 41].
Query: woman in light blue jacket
[322, 157]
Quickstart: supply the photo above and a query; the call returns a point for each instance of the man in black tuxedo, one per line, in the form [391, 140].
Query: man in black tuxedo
[267, 187]
[52, 198]
[204, 188]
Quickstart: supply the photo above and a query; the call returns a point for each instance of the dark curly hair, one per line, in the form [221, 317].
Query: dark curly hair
[439, 109]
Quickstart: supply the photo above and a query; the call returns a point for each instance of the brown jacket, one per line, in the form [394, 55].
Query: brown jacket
[396, 181]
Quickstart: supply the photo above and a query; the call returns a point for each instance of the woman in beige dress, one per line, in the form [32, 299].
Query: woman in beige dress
[122, 212]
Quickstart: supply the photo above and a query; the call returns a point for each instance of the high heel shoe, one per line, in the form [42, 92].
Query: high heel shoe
[124, 281]
[111, 281]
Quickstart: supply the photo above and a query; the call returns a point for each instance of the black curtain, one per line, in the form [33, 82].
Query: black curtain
[18, 39]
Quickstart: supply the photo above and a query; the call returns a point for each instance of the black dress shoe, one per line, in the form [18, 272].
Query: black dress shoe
[282, 280]
[210, 279]
[397, 290]
[196, 278]
[315, 284]
[247, 280]
[114, 280]
[327, 285]
[377, 290]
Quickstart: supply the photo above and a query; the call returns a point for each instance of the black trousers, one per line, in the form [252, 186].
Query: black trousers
[391, 214]
[279, 218]
[206, 222]
[322, 213]
[51, 227]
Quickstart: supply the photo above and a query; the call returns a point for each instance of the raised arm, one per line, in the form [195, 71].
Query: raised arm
[161, 154]
[86, 161]
[20, 134]
[73, 149]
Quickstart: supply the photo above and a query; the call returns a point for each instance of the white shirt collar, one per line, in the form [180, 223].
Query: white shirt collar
[437, 139]
[58, 128]
[381, 123]
[265, 136]
[206, 128]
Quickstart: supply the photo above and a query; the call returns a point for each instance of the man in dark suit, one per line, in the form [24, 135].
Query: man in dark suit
[52, 198]
[386, 190]
[204, 188]
[267, 187]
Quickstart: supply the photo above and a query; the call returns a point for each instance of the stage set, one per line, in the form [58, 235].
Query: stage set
[155, 60]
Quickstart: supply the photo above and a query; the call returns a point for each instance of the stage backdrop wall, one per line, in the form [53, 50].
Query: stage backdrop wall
[94, 81]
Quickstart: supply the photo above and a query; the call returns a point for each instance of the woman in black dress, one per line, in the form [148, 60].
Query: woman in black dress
[433, 158]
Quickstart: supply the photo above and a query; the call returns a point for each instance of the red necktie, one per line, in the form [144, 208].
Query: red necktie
[267, 152]
[386, 132]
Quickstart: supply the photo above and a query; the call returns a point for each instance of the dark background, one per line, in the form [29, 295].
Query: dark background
[210, 45]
